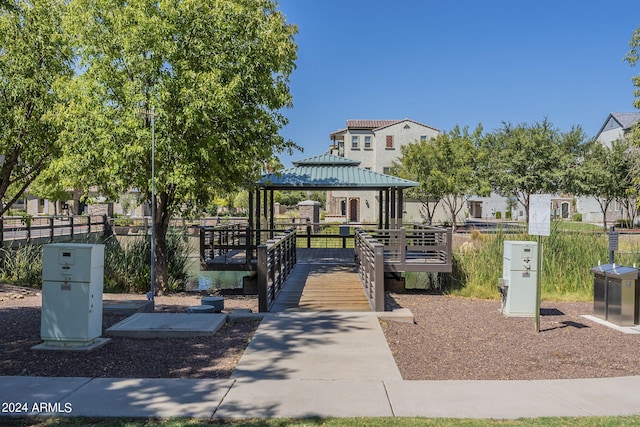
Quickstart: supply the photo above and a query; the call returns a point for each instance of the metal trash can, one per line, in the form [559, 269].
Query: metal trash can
[614, 294]
[345, 230]
[600, 290]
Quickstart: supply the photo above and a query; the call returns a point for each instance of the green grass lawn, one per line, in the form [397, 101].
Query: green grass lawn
[328, 422]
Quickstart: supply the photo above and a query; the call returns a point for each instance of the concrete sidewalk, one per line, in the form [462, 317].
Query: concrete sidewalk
[304, 364]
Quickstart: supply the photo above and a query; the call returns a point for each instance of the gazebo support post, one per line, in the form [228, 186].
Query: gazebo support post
[258, 222]
[399, 209]
[380, 210]
[393, 208]
[386, 209]
[272, 214]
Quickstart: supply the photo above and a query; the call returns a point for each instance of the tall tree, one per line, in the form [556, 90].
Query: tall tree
[416, 163]
[604, 173]
[458, 168]
[446, 168]
[530, 159]
[34, 54]
[205, 79]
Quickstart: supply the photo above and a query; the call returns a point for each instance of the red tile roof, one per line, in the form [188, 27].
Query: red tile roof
[369, 124]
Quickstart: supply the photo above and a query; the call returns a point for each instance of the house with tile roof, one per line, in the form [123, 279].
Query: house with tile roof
[376, 144]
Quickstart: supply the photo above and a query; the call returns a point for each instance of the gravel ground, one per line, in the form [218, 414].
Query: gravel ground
[452, 339]
[200, 357]
[464, 339]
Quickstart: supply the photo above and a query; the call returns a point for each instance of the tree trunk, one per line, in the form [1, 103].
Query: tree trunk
[161, 263]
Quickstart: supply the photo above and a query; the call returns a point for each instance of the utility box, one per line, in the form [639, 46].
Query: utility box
[72, 283]
[615, 296]
[519, 277]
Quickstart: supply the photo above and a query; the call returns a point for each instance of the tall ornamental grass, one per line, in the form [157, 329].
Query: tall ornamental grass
[127, 267]
[568, 257]
[22, 265]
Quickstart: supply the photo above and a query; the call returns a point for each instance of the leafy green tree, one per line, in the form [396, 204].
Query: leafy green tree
[604, 173]
[457, 171]
[446, 168]
[527, 159]
[416, 163]
[34, 54]
[206, 80]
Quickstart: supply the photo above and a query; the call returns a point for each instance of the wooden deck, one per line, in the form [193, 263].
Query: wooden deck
[315, 287]
[334, 291]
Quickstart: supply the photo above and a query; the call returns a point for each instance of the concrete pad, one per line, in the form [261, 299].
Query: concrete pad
[304, 399]
[318, 345]
[127, 307]
[478, 399]
[167, 325]
[244, 315]
[623, 329]
[60, 346]
[201, 309]
[399, 315]
[34, 390]
[149, 397]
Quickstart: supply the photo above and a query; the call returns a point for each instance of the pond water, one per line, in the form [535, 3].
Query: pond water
[204, 280]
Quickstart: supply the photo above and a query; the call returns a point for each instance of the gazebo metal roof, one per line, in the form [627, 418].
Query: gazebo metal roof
[328, 172]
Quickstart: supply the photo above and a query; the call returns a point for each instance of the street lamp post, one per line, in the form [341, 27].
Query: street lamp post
[153, 203]
[152, 115]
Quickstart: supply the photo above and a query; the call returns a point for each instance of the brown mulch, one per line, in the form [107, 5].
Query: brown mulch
[198, 357]
[464, 339]
[452, 339]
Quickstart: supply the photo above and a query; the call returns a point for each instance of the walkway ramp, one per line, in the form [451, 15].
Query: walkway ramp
[323, 280]
[338, 289]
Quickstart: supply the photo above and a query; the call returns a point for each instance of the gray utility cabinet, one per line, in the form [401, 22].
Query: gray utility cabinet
[519, 276]
[72, 284]
[615, 294]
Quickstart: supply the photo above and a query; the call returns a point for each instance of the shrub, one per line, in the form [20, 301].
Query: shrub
[577, 217]
[498, 215]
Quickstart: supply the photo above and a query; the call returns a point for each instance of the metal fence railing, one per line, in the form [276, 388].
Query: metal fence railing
[276, 259]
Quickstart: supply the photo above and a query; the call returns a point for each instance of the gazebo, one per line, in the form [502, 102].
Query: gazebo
[328, 172]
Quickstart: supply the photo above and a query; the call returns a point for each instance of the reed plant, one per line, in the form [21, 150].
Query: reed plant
[22, 265]
[568, 257]
[128, 266]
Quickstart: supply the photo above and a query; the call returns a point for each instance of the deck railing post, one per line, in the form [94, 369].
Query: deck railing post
[379, 278]
[51, 225]
[262, 279]
[403, 244]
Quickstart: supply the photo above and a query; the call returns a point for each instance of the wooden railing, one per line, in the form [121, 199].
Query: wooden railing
[225, 240]
[420, 248]
[51, 228]
[370, 266]
[276, 259]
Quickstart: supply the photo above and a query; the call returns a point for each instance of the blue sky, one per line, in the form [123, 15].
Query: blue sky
[457, 62]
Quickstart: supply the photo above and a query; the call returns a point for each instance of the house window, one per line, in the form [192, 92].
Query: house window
[423, 138]
[367, 142]
[386, 170]
[355, 142]
[389, 142]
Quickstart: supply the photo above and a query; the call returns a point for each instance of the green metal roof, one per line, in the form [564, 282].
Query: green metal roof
[329, 172]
